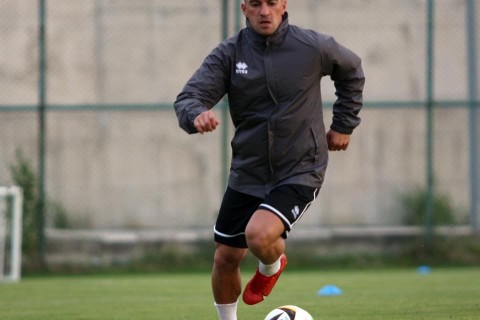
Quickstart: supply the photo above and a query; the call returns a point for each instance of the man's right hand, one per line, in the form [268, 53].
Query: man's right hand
[206, 122]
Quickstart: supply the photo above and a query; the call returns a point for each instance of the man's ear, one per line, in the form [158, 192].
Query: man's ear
[244, 9]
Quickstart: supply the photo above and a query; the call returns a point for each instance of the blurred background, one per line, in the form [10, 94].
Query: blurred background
[87, 126]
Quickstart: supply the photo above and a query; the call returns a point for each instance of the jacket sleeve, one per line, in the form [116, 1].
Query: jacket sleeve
[345, 69]
[204, 89]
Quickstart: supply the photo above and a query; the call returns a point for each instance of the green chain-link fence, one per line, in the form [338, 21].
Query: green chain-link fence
[110, 154]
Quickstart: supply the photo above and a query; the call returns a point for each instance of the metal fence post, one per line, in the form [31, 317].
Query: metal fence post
[430, 123]
[42, 131]
[238, 15]
[473, 115]
[224, 105]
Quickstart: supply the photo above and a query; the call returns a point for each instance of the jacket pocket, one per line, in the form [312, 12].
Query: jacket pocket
[316, 146]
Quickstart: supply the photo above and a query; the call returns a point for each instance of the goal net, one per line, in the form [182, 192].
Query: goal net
[11, 199]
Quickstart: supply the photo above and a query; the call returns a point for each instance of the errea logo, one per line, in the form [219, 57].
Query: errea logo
[241, 68]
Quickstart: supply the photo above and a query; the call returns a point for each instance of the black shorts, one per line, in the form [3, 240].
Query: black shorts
[288, 202]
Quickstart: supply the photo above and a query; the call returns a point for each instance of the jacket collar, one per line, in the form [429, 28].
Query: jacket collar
[275, 38]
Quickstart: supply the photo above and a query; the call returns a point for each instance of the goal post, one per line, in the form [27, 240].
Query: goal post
[11, 202]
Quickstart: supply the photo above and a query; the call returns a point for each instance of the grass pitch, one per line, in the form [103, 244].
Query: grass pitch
[372, 294]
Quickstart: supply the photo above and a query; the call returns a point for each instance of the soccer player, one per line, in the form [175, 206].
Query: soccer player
[271, 72]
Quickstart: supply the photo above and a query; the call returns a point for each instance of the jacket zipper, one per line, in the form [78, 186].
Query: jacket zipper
[271, 124]
[267, 53]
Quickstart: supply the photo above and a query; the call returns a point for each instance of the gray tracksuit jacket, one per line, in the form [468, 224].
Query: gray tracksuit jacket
[273, 88]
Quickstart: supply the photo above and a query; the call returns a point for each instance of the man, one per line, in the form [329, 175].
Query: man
[271, 72]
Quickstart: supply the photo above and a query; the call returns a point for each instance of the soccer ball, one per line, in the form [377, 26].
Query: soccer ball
[288, 313]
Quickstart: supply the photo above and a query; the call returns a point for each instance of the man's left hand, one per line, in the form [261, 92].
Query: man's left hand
[337, 141]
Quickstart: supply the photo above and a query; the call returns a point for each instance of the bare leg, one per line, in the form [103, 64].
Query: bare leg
[263, 234]
[226, 281]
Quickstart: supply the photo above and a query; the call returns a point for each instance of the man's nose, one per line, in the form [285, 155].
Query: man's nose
[265, 9]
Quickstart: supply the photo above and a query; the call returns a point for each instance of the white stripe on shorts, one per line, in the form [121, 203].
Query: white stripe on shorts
[226, 235]
[281, 216]
[278, 213]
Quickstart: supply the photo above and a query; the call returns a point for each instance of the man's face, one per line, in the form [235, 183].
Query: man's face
[264, 15]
